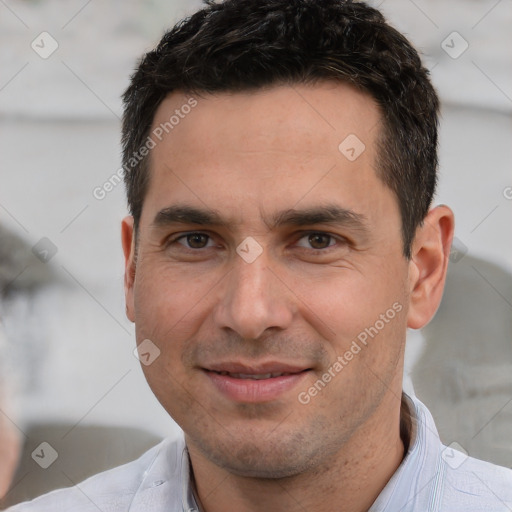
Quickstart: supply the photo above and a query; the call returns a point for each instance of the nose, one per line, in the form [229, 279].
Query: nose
[253, 299]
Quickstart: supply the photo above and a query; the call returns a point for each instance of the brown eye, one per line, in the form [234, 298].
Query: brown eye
[195, 240]
[320, 240]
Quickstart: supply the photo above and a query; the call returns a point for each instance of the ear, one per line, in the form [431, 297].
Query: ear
[428, 265]
[128, 241]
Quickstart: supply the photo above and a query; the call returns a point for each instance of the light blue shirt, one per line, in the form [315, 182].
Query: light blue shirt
[431, 478]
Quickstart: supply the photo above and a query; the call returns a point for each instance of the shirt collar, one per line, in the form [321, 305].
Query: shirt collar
[416, 479]
[166, 483]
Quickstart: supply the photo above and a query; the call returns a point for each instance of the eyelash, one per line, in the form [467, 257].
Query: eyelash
[184, 237]
[339, 240]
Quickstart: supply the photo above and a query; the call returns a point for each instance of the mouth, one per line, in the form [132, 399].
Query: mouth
[255, 384]
[256, 376]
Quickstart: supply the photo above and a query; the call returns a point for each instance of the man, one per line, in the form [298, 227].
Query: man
[280, 160]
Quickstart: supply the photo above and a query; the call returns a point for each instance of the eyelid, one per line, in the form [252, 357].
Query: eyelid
[338, 238]
[176, 237]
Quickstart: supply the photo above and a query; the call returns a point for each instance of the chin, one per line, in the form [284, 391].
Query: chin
[265, 468]
[260, 458]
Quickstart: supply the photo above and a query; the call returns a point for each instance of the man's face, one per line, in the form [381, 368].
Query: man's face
[267, 252]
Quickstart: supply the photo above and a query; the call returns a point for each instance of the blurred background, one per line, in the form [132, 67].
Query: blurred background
[68, 373]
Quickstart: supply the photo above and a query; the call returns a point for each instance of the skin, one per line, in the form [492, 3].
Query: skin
[10, 447]
[249, 157]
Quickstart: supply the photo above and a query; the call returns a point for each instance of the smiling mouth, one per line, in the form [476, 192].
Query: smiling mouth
[257, 386]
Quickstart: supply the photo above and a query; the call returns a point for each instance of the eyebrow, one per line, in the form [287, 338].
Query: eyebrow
[329, 214]
[183, 214]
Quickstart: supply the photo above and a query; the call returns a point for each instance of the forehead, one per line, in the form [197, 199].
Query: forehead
[323, 112]
[281, 146]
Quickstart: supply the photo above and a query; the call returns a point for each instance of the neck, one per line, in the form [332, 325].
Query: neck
[349, 481]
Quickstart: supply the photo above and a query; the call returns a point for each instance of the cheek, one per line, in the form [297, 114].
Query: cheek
[343, 302]
[168, 313]
[362, 319]
[167, 300]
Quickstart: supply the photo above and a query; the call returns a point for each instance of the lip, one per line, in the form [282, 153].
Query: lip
[251, 390]
[255, 369]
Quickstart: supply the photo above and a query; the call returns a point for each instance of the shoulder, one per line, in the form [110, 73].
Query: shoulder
[112, 490]
[450, 480]
[475, 485]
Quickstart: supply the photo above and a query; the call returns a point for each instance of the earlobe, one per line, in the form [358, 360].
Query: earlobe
[428, 265]
[128, 242]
